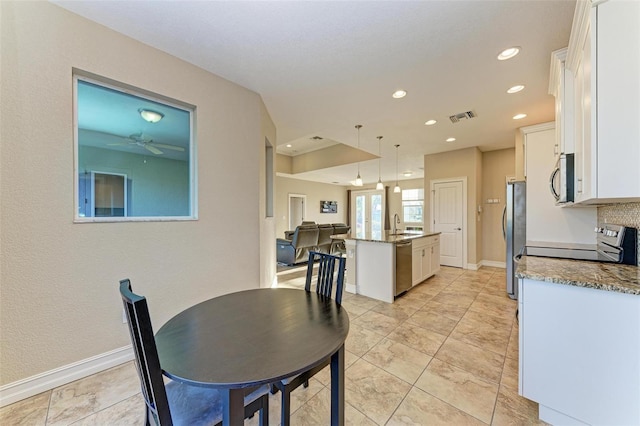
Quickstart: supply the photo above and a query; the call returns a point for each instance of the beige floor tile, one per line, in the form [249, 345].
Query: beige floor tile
[459, 388]
[361, 339]
[514, 410]
[395, 311]
[503, 323]
[411, 300]
[398, 359]
[452, 296]
[418, 338]
[450, 311]
[501, 306]
[324, 376]
[432, 321]
[373, 391]
[87, 396]
[377, 322]
[420, 408]
[462, 285]
[482, 335]
[510, 374]
[364, 302]
[317, 412]
[514, 343]
[353, 310]
[30, 411]
[124, 413]
[482, 363]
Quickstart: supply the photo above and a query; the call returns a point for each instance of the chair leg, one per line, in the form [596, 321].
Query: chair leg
[306, 384]
[285, 413]
[264, 411]
[274, 389]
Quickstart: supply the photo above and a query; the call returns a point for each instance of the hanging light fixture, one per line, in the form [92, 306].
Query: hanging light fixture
[358, 181]
[379, 185]
[397, 187]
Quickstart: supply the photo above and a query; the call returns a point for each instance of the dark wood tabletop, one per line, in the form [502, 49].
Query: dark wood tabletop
[253, 337]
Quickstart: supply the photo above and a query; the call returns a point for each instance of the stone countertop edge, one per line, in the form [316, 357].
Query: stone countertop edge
[597, 275]
[392, 238]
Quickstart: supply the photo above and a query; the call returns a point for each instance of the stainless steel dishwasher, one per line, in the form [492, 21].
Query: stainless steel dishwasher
[403, 267]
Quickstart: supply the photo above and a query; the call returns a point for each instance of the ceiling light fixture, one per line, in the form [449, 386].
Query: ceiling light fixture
[519, 116]
[379, 185]
[396, 189]
[407, 173]
[451, 139]
[508, 53]
[358, 181]
[288, 145]
[430, 122]
[515, 89]
[399, 94]
[150, 115]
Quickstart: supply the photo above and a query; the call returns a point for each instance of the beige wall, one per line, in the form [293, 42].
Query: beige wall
[464, 162]
[60, 302]
[496, 166]
[315, 192]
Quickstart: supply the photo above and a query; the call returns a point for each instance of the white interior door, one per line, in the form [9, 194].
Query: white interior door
[448, 218]
[367, 208]
[297, 204]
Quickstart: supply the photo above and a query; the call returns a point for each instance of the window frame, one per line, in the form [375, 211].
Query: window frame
[80, 75]
[403, 201]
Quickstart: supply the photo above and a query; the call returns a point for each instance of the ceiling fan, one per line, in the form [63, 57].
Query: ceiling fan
[140, 140]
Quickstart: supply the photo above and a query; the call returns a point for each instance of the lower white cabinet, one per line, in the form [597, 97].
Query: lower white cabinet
[580, 353]
[425, 258]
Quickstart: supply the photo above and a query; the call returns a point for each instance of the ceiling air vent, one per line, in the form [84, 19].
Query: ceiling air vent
[316, 138]
[462, 116]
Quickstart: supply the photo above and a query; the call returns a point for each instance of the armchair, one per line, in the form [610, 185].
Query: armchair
[296, 250]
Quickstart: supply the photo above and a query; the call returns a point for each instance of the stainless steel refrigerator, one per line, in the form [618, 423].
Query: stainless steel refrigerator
[514, 226]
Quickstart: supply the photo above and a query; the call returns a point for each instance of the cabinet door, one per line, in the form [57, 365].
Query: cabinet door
[435, 258]
[416, 266]
[426, 262]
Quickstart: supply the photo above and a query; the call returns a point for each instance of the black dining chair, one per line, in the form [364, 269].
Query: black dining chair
[330, 271]
[176, 403]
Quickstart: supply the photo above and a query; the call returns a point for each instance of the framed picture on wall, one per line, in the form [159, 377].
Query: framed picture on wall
[328, 207]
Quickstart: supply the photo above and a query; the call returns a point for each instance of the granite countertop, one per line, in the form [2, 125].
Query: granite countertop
[580, 273]
[387, 237]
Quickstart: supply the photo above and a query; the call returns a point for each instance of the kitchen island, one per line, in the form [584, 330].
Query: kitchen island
[385, 266]
[579, 336]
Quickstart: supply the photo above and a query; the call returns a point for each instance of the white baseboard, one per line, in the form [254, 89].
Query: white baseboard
[473, 266]
[350, 288]
[494, 264]
[25, 388]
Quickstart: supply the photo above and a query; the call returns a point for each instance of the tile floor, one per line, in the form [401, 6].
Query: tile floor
[446, 352]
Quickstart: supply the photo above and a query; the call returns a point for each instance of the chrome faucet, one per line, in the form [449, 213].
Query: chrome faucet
[396, 221]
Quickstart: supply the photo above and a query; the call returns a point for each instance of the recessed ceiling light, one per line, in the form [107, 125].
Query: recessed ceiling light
[288, 145]
[451, 139]
[515, 89]
[407, 173]
[399, 94]
[519, 116]
[508, 53]
[430, 122]
[150, 115]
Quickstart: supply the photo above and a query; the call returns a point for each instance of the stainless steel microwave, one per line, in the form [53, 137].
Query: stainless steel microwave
[561, 179]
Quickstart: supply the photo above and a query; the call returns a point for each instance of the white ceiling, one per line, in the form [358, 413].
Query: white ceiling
[322, 67]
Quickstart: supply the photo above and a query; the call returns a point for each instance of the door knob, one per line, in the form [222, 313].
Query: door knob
[458, 229]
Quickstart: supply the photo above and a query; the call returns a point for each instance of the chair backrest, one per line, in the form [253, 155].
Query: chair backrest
[328, 267]
[146, 354]
[305, 236]
[340, 228]
[324, 238]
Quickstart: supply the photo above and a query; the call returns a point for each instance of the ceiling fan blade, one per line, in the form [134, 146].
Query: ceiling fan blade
[153, 149]
[118, 144]
[173, 147]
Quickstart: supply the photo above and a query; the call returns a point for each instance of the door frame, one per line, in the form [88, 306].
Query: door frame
[354, 194]
[465, 220]
[304, 208]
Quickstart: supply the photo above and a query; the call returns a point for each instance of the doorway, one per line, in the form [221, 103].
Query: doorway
[366, 214]
[449, 217]
[297, 209]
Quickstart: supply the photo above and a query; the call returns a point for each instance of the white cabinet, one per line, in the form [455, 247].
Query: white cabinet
[547, 222]
[425, 260]
[561, 85]
[580, 353]
[604, 56]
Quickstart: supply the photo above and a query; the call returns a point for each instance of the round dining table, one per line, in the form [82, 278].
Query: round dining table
[255, 337]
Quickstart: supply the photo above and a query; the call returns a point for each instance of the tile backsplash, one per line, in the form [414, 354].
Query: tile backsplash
[627, 214]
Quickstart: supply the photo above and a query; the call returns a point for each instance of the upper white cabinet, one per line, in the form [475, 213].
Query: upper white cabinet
[561, 86]
[604, 59]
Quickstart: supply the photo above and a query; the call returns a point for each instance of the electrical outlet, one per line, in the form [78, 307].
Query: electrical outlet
[124, 316]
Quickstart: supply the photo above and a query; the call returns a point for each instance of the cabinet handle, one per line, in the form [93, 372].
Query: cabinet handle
[555, 149]
[579, 186]
[422, 252]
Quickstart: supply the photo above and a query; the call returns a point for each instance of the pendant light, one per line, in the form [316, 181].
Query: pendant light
[379, 185]
[358, 181]
[396, 189]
